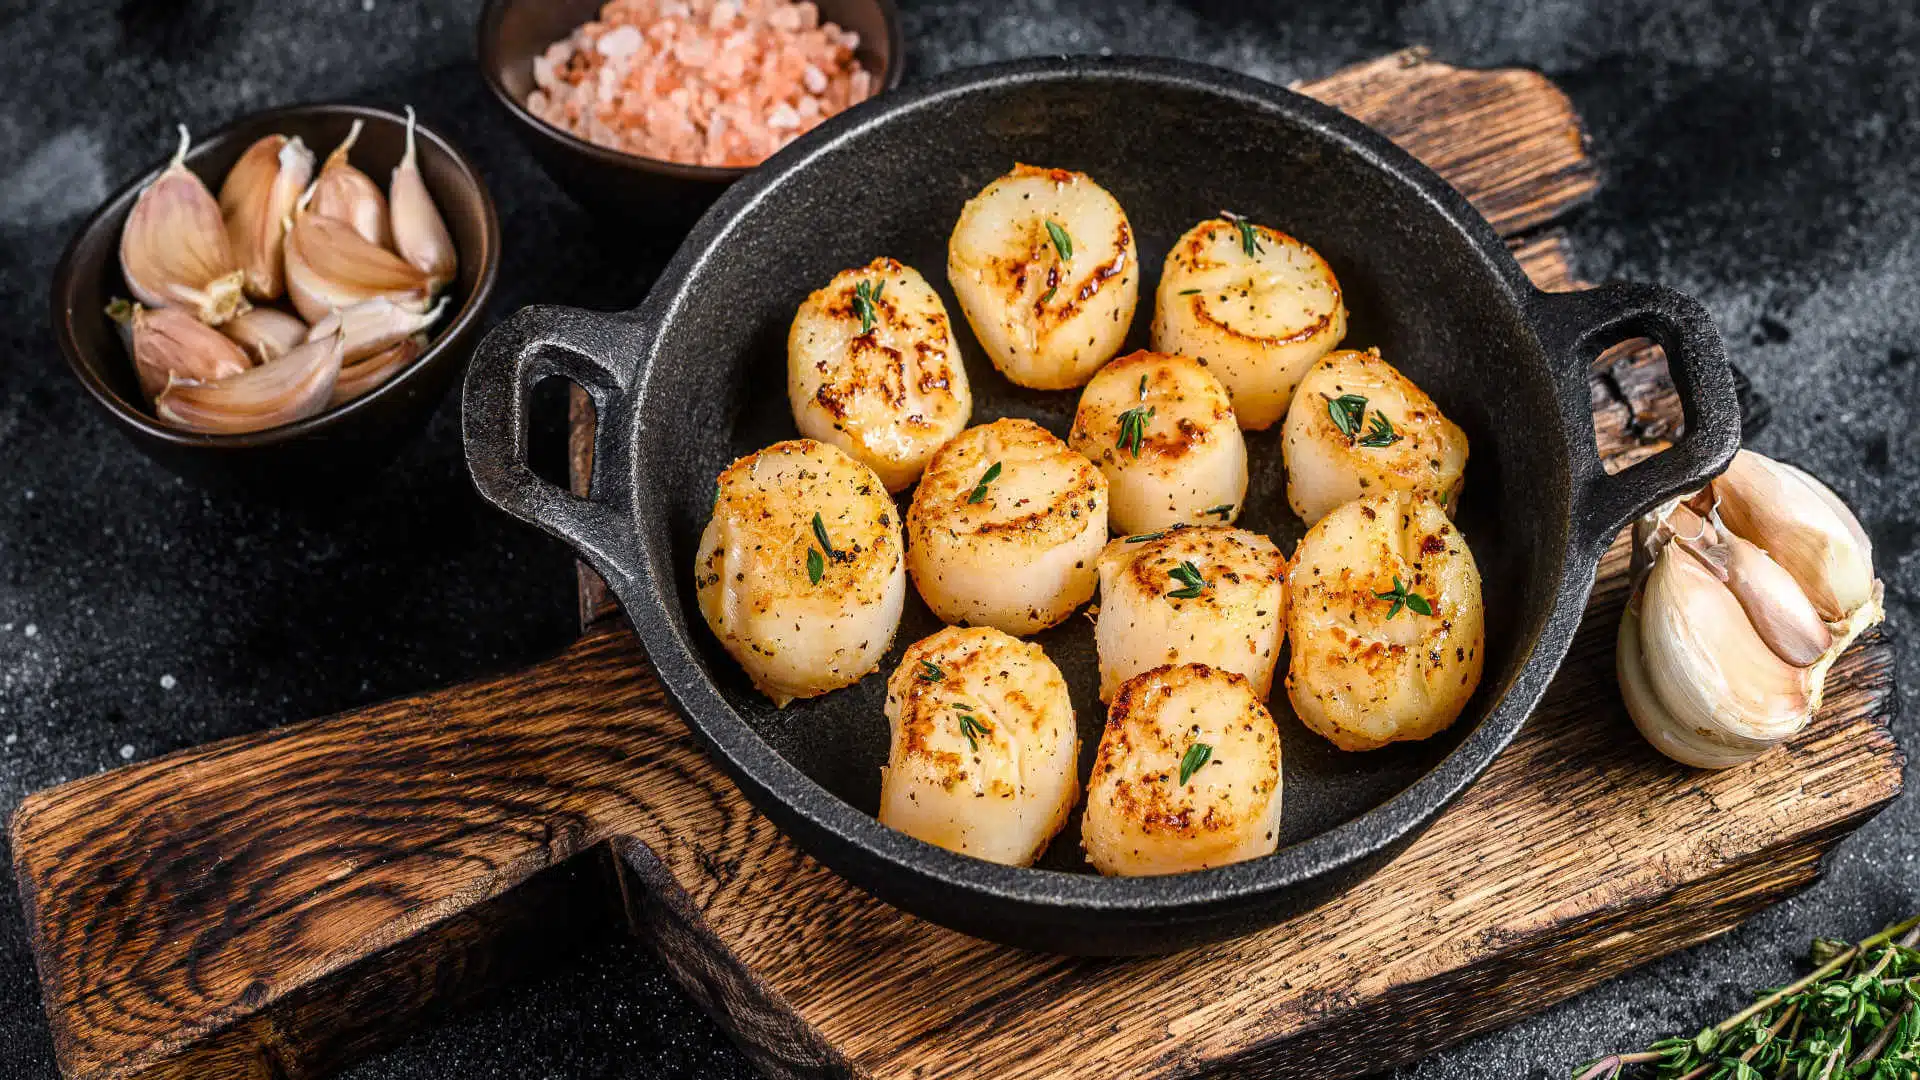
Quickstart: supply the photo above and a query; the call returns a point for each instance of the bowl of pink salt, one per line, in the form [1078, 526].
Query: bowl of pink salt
[645, 110]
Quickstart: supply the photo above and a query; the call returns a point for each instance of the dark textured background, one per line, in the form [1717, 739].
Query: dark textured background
[1763, 157]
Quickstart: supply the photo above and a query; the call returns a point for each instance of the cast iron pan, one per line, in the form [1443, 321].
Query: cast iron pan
[695, 377]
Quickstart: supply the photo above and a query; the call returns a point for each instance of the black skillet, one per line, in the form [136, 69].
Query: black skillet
[695, 377]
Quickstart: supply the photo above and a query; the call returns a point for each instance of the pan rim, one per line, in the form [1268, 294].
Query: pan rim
[803, 806]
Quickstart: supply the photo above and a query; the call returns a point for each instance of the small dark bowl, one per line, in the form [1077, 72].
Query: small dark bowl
[339, 444]
[638, 191]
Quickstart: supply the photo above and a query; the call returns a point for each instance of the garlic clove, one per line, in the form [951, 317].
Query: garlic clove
[419, 232]
[344, 193]
[374, 326]
[265, 333]
[1804, 527]
[293, 387]
[1708, 666]
[1780, 613]
[1704, 748]
[375, 370]
[1671, 520]
[256, 197]
[168, 343]
[330, 267]
[174, 249]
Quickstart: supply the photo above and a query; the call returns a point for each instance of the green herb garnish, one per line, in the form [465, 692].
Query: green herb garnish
[1380, 432]
[1346, 410]
[930, 671]
[816, 566]
[1223, 511]
[1187, 575]
[1062, 243]
[1133, 428]
[866, 297]
[820, 534]
[1402, 598]
[1197, 755]
[1189, 292]
[1249, 240]
[988, 477]
[1047, 296]
[971, 727]
[1144, 537]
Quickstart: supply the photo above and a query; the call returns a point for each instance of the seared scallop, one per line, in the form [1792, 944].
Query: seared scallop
[1162, 430]
[1385, 615]
[1187, 777]
[1005, 528]
[799, 572]
[1359, 427]
[984, 746]
[1044, 265]
[1210, 594]
[1253, 304]
[872, 369]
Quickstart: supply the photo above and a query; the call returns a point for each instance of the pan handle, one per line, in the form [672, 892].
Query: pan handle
[1576, 327]
[603, 354]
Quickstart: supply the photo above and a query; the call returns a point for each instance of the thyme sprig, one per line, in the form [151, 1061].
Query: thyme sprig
[1133, 428]
[1188, 575]
[866, 301]
[1855, 1016]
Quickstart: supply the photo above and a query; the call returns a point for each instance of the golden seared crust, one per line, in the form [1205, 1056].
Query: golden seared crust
[1149, 614]
[1327, 466]
[1364, 675]
[766, 502]
[984, 745]
[1042, 498]
[1240, 567]
[1142, 816]
[1191, 412]
[1206, 259]
[889, 395]
[1047, 314]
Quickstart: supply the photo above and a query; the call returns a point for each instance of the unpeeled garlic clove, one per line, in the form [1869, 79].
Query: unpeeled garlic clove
[419, 233]
[1713, 677]
[168, 343]
[1779, 612]
[375, 370]
[344, 193]
[331, 267]
[374, 326]
[265, 333]
[174, 249]
[256, 197]
[1805, 528]
[293, 387]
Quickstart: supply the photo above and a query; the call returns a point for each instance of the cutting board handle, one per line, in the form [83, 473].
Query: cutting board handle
[173, 898]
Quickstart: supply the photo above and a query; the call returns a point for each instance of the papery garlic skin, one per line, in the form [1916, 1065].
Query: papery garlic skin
[1747, 593]
[174, 250]
[265, 333]
[1805, 526]
[294, 387]
[419, 232]
[374, 326]
[330, 267]
[348, 195]
[357, 380]
[260, 191]
[167, 343]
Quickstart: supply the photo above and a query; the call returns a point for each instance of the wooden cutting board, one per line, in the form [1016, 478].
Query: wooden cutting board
[276, 904]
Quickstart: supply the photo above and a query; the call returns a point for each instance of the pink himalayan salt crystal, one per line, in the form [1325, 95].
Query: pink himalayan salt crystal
[702, 82]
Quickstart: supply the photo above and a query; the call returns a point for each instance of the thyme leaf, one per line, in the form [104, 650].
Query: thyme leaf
[1197, 755]
[1188, 575]
[988, 477]
[1062, 243]
[1133, 428]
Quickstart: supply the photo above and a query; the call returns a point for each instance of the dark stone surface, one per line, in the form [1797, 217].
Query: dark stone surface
[1762, 157]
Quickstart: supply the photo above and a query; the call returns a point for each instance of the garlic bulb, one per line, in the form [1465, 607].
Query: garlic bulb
[1745, 594]
[330, 266]
[348, 195]
[256, 197]
[294, 387]
[419, 233]
[167, 343]
[174, 249]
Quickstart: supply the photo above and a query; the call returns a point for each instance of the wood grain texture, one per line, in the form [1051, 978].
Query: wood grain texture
[271, 905]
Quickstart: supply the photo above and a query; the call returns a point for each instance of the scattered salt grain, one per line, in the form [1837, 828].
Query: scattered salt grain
[126, 752]
[12, 738]
[31, 630]
[168, 682]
